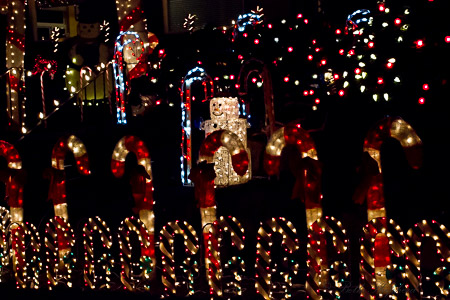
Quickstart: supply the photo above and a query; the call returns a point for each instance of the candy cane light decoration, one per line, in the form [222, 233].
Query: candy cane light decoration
[293, 134]
[189, 265]
[324, 277]
[415, 278]
[194, 75]
[249, 67]
[142, 185]
[382, 254]
[57, 190]
[5, 222]
[14, 186]
[216, 270]
[397, 128]
[264, 268]
[15, 54]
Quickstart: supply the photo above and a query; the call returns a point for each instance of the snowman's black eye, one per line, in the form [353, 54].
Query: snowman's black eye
[220, 104]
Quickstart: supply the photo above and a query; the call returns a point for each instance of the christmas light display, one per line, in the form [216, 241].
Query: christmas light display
[141, 183]
[257, 66]
[41, 66]
[60, 261]
[309, 181]
[57, 189]
[224, 113]
[324, 276]
[134, 276]
[15, 55]
[96, 226]
[5, 220]
[27, 266]
[266, 270]
[14, 181]
[397, 128]
[413, 246]
[195, 74]
[381, 255]
[189, 266]
[218, 286]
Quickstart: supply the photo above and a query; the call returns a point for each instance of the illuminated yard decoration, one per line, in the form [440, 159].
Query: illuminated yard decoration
[326, 277]
[57, 189]
[91, 278]
[189, 266]
[15, 54]
[14, 184]
[60, 260]
[293, 134]
[224, 113]
[256, 66]
[415, 278]
[141, 183]
[134, 275]
[235, 264]
[5, 221]
[266, 270]
[194, 75]
[25, 247]
[397, 128]
[382, 256]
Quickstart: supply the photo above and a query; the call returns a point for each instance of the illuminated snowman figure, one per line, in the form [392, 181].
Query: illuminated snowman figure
[224, 113]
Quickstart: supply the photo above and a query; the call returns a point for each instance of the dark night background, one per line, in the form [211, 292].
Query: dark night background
[338, 129]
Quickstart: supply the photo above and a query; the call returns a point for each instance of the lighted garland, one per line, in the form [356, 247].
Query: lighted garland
[189, 265]
[218, 286]
[134, 274]
[27, 266]
[57, 189]
[397, 128]
[381, 265]
[326, 277]
[414, 277]
[195, 74]
[141, 184]
[60, 260]
[106, 261]
[264, 267]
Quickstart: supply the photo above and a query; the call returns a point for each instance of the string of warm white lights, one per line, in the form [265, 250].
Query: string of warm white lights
[265, 270]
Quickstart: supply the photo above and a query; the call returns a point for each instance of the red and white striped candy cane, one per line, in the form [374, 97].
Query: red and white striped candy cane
[320, 282]
[57, 190]
[142, 186]
[414, 276]
[5, 222]
[205, 191]
[250, 67]
[14, 186]
[382, 253]
[293, 134]
[397, 128]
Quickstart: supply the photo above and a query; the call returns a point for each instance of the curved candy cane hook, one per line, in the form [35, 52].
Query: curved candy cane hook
[307, 185]
[255, 65]
[13, 181]
[57, 190]
[141, 183]
[397, 128]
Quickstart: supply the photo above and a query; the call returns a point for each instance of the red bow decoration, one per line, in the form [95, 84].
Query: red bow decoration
[42, 65]
[203, 176]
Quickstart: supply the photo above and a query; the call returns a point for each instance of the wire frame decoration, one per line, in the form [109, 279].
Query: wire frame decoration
[224, 113]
